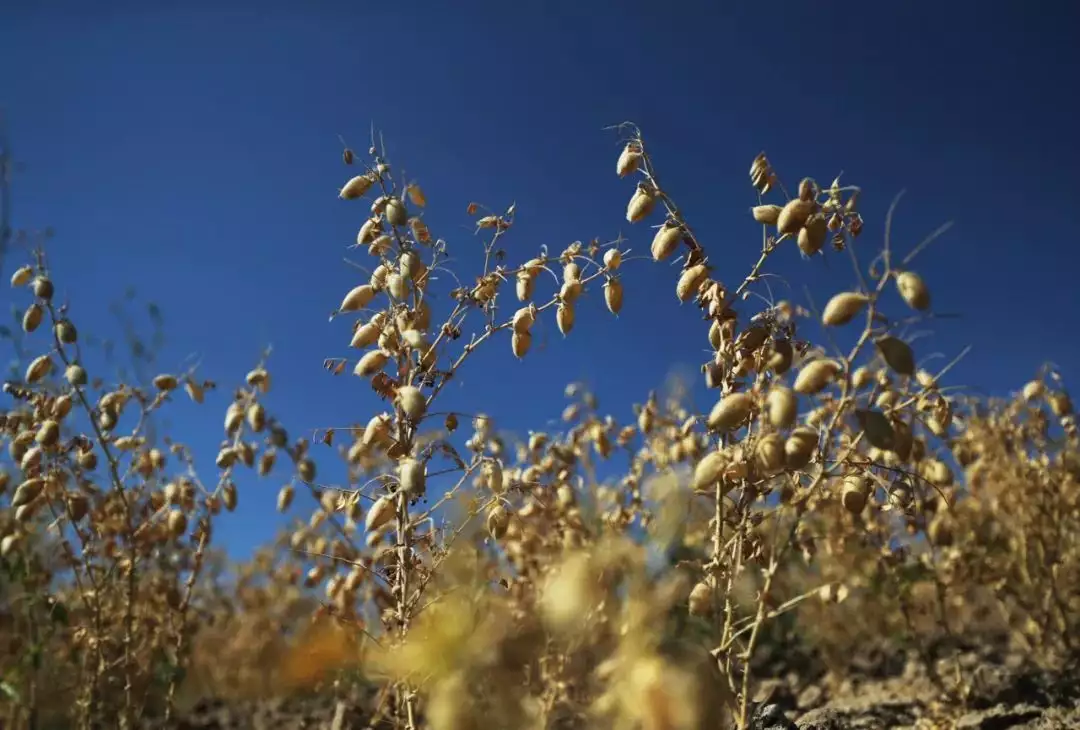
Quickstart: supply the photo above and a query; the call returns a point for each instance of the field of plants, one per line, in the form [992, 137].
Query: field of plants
[843, 537]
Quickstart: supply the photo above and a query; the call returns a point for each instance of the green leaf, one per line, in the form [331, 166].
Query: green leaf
[9, 691]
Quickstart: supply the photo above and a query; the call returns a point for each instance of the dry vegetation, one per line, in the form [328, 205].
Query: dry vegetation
[831, 500]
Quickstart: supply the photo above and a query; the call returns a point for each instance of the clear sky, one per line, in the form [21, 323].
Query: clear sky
[193, 153]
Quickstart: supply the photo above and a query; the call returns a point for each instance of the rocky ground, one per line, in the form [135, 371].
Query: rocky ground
[887, 693]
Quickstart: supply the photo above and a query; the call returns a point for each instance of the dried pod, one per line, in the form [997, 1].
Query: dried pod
[690, 280]
[897, 354]
[667, 240]
[27, 492]
[524, 287]
[628, 161]
[356, 187]
[43, 288]
[700, 600]
[570, 291]
[564, 317]
[769, 453]
[368, 232]
[48, 433]
[22, 276]
[793, 216]
[497, 521]
[812, 235]
[305, 469]
[781, 357]
[176, 522]
[76, 375]
[766, 214]
[38, 368]
[913, 290]
[395, 212]
[358, 298]
[66, 332]
[815, 376]
[730, 412]
[800, 446]
[32, 317]
[365, 336]
[381, 513]
[1060, 404]
[854, 493]
[412, 402]
[492, 472]
[166, 382]
[783, 407]
[613, 295]
[371, 363]
[413, 476]
[709, 470]
[842, 308]
[641, 203]
[520, 342]
[285, 498]
[612, 259]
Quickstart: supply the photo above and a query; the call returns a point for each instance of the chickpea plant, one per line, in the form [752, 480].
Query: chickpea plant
[470, 578]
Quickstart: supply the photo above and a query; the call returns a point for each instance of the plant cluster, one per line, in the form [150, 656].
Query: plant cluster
[614, 574]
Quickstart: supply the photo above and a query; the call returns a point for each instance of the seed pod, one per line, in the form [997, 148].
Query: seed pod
[799, 447]
[700, 600]
[641, 203]
[398, 286]
[21, 277]
[396, 213]
[783, 354]
[520, 342]
[229, 496]
[730, 412]
[709, 470]
[842, 308]
[32, 317]
[66, 332]
[783, 407]
[853, 494]
[381, 513]
[377, 429]
[371, 363]
[497, 521]
[564, 317]
[769, 453]
[667, 239]
[812, 235]
[413, 476]
[412, 402]
[612, 259]
[572, 271]
[166, 382]
[43, 288]
[524, 319]
[492, 472]
[793, 216]
[1060, 404]
[628, 160]
[61, 407]
[176, 522]
[48, 434]
[365, 336]
[690, 280]
[524, 288]
[38, 368]
[570, 291]
[358, 298]
[381, 245]
[27, 492]
[913, 290]
[897, 354]
[766, 214]
[305, 469]
[613, 295]
[356, 187]
[285, 498]
[369, 231]
[815, 376]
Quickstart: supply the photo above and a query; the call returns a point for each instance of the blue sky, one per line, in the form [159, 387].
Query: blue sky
[193, 153]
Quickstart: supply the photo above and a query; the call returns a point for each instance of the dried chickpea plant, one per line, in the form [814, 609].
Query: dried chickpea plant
[604, 574]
